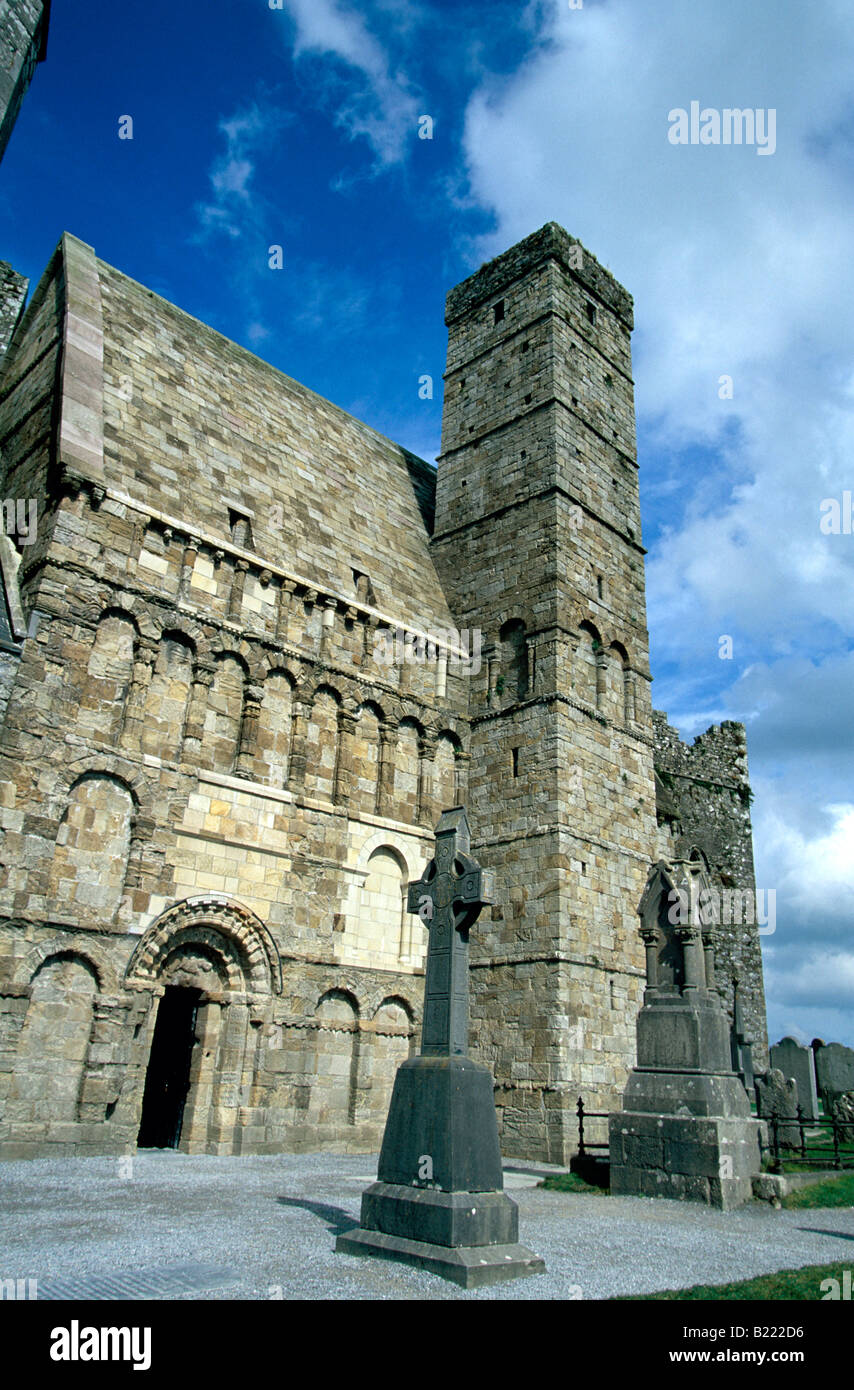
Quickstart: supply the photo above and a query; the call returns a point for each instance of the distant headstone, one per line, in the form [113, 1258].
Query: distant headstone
[685, 1129]
[439, 1202]
[777, 1094]
[792, 1059]
[843, 1113]
[834, 1071]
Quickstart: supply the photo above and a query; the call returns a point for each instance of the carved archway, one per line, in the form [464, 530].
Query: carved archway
[246, 952]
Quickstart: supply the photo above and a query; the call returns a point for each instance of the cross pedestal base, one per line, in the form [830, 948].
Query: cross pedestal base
[471, 1266]
[439, 1202]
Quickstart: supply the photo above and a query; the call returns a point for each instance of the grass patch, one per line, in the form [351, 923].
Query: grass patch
[573, 1182]
[832, 1192]
[790, 1285]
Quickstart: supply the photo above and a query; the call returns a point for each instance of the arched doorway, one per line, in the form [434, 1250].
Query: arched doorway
[167, 1080]
[211, 968]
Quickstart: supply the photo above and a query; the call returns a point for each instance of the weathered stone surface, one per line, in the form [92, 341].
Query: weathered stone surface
[703, 800]
[207, 772]
[23, 44]
[777, 1094]
[442, 1131]
[842, 1111]
[792, 1059]
[685, 1129]
[834, 1068]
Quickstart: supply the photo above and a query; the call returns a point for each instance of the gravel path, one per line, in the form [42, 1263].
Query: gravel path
[257, 1228]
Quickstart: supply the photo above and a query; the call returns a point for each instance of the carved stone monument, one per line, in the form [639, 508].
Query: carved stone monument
[439, 1201]
[685, 1129]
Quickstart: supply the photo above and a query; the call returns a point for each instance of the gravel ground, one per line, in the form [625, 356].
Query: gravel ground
[261, 1228]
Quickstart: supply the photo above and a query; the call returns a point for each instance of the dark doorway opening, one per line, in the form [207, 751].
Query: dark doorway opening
[167, 1080]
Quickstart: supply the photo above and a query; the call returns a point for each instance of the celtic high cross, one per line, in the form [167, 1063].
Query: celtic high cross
[448, 899]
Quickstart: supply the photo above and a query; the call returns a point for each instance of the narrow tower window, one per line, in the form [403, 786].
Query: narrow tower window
[241, 530]
[498, 311]
[591, 312]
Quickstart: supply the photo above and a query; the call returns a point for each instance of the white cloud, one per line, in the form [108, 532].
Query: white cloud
[237, 209]
[379, 104]
[739, 265]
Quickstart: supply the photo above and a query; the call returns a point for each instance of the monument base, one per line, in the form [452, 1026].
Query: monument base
[469, 1237]
[704, 1158]
[471, 1266]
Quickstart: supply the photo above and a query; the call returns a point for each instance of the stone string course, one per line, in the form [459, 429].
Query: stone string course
[208, 781]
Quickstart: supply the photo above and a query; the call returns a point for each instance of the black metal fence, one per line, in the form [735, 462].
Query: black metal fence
[794, 1141]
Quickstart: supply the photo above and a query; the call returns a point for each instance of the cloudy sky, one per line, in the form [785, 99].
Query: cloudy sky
[296, 123]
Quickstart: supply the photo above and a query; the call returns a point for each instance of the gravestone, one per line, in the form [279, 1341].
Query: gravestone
[792, 1059]
[777, 1094]
[834, 1071]
[685, 1129]
[439, 1201]
[843, 1114]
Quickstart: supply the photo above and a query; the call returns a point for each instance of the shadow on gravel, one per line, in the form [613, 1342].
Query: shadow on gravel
[336, 1218]
[820, 1231]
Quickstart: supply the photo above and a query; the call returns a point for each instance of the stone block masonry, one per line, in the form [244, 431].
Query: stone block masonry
[214, 796]
[23, 44]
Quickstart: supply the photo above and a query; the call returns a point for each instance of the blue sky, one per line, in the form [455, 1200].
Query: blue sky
[298, 126]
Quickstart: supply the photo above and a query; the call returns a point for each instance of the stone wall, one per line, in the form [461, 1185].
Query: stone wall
[23, 44]
[212, 784]
[13, 293]
[213, 780]
[704, 807]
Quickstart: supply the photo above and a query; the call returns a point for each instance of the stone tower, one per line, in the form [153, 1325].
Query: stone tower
[538, 544]
[23, 44]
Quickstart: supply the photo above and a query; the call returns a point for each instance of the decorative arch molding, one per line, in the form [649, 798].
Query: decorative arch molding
[589, 628]
[271, 666]
[168, 622]
[239, 652]
[75, 947]
[322, 683]
[118, 610]
[383, 839]
[106, 765]
[251, 966]
[399, 1002]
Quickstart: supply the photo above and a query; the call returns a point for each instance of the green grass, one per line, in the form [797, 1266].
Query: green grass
[573, 1182]
[832, 1192]
[789, 1284]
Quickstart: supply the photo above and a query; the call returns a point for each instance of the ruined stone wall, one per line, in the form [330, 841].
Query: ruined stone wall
[23, 42]
[13, 293]
[704, 805]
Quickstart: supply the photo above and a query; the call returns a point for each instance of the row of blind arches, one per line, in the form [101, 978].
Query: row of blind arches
[157, 714]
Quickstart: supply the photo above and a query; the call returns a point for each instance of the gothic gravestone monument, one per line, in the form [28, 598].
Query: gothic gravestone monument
[439, 1201]
[794, 1060]
[685, 1129]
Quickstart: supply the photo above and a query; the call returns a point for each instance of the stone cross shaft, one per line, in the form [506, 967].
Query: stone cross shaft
[448, 899]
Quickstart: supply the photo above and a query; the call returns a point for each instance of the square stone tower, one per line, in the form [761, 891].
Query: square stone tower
[538, 545]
